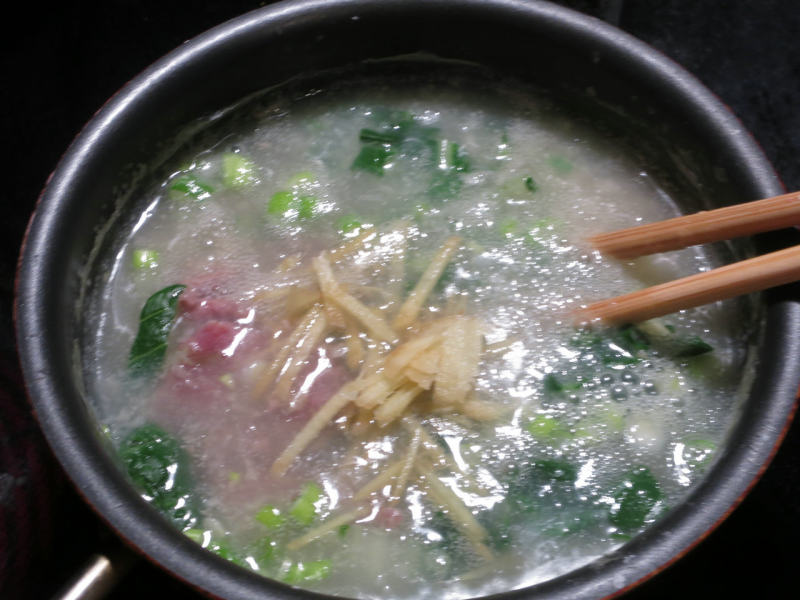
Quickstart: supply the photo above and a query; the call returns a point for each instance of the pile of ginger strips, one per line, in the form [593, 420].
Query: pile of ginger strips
[434, 362]
[436, 359]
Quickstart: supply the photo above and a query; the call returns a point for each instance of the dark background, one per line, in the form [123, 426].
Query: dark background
[60, 63]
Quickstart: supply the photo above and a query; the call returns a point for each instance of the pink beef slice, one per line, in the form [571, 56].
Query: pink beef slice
[208, 298]
[325, 385]
[390, 517]
[211, 339]
[193, 388]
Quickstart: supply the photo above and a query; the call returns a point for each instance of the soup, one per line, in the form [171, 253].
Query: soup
[336, 346]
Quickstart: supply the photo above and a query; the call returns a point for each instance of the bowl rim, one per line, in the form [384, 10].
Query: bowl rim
[101, 484]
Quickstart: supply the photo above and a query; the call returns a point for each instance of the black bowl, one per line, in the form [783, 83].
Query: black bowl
[679, 126]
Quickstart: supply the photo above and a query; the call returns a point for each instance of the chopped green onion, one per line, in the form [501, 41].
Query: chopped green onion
[508, 227]
[303, 178]
[234, 477]
[347, 224]
[270, 517]
[560, 164]
[188, 185]
[315, 570]
[343, 530]
[284, 201]
[444, 185]
[421, 210]
[533, 243]
[237, 171]
[530, 185]
[264, 551]
[221, 549]
[196, 535]
[697, 452]
[304, 508]
[380, 137]
[549, 428]
[280, 202]
[503, 148]
[306, 206]
[601, 424]
[543, 225]
[145, 259]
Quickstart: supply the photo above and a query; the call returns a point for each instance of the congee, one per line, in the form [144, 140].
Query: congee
[336, 343]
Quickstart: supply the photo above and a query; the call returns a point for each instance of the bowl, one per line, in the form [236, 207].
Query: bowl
[593, 67]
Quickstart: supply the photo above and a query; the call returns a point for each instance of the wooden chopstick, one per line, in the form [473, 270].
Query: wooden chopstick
[751, 275]
[708, 226]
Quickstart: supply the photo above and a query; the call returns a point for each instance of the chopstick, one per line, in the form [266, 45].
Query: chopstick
[707, 226]
[744, 277]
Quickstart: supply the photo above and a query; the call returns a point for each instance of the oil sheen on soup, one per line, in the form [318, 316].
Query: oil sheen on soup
[336, 346]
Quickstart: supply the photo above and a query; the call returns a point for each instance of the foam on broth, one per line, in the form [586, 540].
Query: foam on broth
[575, 412]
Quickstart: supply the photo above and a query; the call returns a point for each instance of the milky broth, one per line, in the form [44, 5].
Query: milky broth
[577, 417]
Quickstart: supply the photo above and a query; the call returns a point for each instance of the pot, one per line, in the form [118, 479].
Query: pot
[588, 64]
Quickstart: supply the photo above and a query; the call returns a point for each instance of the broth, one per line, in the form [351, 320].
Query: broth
[478, 441]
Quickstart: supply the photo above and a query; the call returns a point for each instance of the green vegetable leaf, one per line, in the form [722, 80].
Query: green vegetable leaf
[554, 470]
[530, 185]
[158, 465]
[372, 159]
[635, 500]
[399, 132]
[529, 483]
[554, 385]
[666, 339]
[400, 128]
[155, 323]
[444, 185]
[610, 349]
[693, 346]
[632, 339]
[446, 553]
